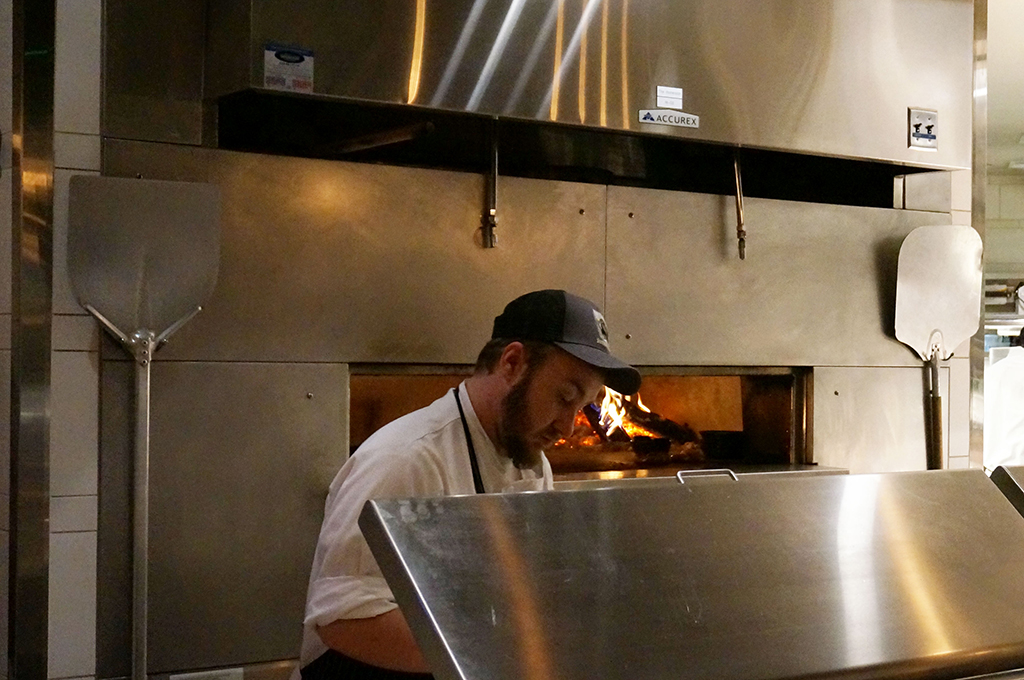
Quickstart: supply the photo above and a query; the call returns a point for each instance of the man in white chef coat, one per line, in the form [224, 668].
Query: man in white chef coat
[1004, 408]
[547, 358]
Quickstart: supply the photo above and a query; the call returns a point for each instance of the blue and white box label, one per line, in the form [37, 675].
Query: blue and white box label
[286, 67]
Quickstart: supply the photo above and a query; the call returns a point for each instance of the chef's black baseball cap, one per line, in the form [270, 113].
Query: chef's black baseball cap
[572, 323]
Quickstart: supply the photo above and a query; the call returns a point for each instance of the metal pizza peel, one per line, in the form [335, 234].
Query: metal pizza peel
[143, 257]
[938, 305]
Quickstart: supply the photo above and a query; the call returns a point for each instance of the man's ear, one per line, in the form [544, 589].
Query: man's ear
[512, 363]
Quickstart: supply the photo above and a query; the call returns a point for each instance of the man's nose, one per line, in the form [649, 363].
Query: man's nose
[565, 423]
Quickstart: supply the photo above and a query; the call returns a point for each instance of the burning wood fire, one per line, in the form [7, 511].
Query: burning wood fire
[623, 424]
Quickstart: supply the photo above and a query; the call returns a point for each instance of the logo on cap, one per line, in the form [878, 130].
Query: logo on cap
[602, 330]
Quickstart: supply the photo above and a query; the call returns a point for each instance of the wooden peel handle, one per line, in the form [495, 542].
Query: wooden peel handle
[935, 434]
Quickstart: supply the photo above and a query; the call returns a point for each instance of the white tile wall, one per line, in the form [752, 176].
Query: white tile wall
[1004, 227]
[991, 202]
[961, 217]
[72, 607]
[74, 419]
[959, 463]
[64, 301]
[77, 71]
[74, 423]
[76, 151]
[1004, 249]
[75, 333]
[72, 513]
[961, 190]
[1011, 202]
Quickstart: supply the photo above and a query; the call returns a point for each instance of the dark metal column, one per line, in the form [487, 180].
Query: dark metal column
[32, 240]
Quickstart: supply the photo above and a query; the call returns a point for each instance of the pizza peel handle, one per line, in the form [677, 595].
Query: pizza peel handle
[938, 304]
[143, 258]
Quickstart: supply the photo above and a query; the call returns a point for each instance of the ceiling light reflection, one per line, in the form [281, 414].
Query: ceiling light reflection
[531, 59]
[417, 51]
[460, 50]
[916, 573]
[497, 50]
[556, 78]
[562, 64]
[581, 97]
[855, 529]
[604, 65]
[624, 65]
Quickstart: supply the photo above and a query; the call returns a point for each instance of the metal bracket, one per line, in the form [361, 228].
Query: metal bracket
[142, 343]
[490, 217]
[741, 234]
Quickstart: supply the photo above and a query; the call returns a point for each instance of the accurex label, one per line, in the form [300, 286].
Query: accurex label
[664, 117]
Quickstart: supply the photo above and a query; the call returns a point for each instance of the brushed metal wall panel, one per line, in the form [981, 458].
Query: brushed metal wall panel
[872, 419]
[334, 261]
[235, 507]
[834, 77]
[153, 70]
[817, 287]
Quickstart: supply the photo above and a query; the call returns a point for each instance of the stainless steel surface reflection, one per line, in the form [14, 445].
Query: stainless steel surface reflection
[868, 576]
[832, 77]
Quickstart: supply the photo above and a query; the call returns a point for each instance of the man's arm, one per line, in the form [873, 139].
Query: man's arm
[384, 641]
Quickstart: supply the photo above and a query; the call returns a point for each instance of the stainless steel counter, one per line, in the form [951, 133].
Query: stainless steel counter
[864, 576]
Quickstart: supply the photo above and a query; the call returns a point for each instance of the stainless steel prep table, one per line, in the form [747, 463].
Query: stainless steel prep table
[856, 576]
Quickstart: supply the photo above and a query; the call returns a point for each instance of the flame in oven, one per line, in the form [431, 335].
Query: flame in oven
[624, 427]
[614, 416]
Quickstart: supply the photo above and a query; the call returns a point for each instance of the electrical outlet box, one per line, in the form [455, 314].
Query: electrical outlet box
[923, 129]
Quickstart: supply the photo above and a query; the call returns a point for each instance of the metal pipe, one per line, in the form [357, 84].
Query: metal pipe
[143, 345]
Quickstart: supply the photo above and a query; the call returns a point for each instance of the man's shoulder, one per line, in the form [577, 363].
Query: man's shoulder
[417, 430]
[410, 456]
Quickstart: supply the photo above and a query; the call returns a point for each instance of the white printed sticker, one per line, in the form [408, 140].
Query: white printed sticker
[287, 68]
[670, 97]
[674, 118]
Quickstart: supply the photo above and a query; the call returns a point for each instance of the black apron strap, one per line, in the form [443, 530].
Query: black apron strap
[478, 482]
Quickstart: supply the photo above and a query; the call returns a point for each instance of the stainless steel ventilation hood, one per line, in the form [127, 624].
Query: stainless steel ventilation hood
[833, 78]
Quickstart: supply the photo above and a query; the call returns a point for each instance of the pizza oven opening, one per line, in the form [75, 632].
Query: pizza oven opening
[682, 418]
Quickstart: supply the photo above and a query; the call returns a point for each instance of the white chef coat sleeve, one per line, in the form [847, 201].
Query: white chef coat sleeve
[346, 582]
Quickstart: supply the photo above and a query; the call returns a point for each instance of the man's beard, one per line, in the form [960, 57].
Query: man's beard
[513, 424]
